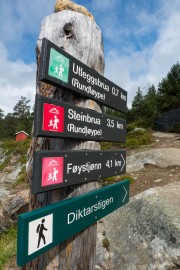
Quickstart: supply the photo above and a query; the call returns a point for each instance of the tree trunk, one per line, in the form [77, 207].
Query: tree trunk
[81, 37]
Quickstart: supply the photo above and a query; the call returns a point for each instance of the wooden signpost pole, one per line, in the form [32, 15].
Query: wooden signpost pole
[80, 37]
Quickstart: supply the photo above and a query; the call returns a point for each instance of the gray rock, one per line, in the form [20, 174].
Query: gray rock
[162, 157]
[137, 129]
[18, 203]
[10, 178]
[3, 193]
[144, 234]
[11, 206]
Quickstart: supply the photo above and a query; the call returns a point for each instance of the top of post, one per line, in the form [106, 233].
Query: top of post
[68, 5]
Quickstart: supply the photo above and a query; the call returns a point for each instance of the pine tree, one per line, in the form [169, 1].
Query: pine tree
[23, 116]
[169, 90]
[1, 123]
[150, 107]
[137, 108]
[9, 126]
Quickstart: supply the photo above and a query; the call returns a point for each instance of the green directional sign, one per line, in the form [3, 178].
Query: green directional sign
[44, 228]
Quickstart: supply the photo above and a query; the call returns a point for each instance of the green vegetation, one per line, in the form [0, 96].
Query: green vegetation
[5, 163]
[7, 246]
[15, 152]
[175, 129]
[134, 139]
[106, 243]
[115, 179]
[20, 119]
[146, 108]
[22, 179]
[139, 138]
[16, 148]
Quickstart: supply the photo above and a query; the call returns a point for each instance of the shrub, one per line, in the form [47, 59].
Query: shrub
[7, 246]
[175, 128]
[106, 243]
[138, 138]
[15, 149]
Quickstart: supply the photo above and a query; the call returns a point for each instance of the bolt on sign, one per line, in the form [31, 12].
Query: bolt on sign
[53, 118]
[57, 169]
[44, 228]
[59, 68]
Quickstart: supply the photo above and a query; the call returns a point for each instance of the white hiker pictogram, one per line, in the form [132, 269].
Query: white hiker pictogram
[54, 123]
[59, 70]
[52, 176]
[55, 173]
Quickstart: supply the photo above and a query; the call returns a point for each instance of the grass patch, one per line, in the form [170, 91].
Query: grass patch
[106, 243]
[175, 128]
[15, 149]
[134, 139]
[7, 246]
[22, 179]
[115, 179]
[5, 163]
[139, 138]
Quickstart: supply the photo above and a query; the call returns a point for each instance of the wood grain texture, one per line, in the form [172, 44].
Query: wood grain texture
[80, 37]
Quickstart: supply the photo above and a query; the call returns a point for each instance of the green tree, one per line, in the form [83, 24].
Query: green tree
[1, 113]
[150, 107]
[9, 126]
[22, 109]
[1, 123]
[136, 113]
[23, 116]
[168, 95]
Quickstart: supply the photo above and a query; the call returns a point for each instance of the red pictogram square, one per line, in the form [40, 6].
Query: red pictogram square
[53, 118]
[52, 171]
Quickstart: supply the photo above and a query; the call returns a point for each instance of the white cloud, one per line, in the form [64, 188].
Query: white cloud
[153, 63]
[120, 21]
[19, 20]
[19, 17]
[17, 79]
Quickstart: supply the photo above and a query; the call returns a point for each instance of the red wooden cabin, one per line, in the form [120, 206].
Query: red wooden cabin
[21, 136]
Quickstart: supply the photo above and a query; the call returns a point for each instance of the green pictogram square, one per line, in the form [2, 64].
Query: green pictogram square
[58, 66]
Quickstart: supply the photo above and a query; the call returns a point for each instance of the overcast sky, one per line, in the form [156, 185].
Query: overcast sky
[141, 43]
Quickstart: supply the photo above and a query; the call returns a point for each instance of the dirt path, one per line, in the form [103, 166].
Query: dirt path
[151, 175]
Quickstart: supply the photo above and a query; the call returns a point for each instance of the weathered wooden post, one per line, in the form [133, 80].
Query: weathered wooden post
[79, 35]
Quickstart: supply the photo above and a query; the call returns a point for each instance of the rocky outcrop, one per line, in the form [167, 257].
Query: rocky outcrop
[144, 234]
[162, 157]
[14, 204]
[168, 120]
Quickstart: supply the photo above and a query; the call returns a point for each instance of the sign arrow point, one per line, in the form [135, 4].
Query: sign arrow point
[123, 163]
[125, 194]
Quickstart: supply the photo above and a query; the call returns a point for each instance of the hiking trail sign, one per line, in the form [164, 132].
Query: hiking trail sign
[44, 228]
[53, 118]
[59, 68]
[57, 169]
